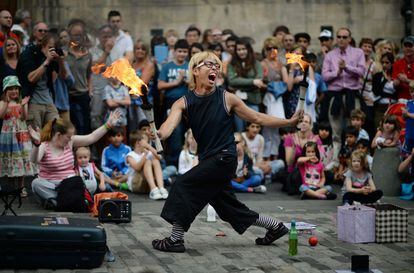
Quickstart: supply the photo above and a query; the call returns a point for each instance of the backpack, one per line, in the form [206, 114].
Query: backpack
[293, 182]
[73, 196]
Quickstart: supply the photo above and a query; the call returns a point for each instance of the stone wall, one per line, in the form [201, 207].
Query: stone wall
[254, 18]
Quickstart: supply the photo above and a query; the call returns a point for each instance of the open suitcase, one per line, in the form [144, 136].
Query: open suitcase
[51, 242]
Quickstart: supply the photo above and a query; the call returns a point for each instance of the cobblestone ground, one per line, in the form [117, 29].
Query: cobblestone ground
[206, 252]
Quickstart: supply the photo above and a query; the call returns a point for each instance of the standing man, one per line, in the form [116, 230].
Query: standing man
[210, 113]
[124, 46]
[326, 42]
[35, 71]
[172, 81]
[6, 22]
[288, 44]
[101, 54]
[22, 22]
[192, 35]
[342, 70]
[403, 69]
[303, 39]
[39, 32]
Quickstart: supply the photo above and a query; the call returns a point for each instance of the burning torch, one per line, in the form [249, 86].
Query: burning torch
[303, 84]
[122, 70]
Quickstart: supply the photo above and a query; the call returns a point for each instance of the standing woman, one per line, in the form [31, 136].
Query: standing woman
[381, 48]
[145, 69]
[273, 71]
[367, 45]
[383, 88]
[245, 76]
[8, 62]
[80, 62]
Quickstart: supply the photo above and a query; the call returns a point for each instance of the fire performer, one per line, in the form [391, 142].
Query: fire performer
[210, 111]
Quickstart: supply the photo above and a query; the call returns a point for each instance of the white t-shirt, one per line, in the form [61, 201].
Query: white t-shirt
[123, 44]
[185, 161]
[255, 146]
[131, 172]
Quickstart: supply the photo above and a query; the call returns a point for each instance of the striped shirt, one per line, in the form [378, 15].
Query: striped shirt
[56, 168]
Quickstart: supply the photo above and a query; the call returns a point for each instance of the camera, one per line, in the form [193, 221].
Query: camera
[59, 51]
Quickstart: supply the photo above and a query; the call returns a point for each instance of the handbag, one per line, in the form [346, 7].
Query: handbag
[277, 89]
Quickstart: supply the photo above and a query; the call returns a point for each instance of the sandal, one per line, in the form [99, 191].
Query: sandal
[272, 235]
[167, 245]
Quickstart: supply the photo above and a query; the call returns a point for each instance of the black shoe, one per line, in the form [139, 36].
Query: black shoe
[167, 245]
[272, 235]
[331, 196]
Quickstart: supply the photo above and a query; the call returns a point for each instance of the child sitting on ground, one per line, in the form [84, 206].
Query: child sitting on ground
[113, 158]
[351, 135]
[312, 173]
[357, 120]
[359, 185]
[388, 133]
[169, 172]
[143, 162]
[88, 171]
[363, 146]
[245, 180]
[188, 156]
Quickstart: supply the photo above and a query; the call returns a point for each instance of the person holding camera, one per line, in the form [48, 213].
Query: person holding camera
[35, 71]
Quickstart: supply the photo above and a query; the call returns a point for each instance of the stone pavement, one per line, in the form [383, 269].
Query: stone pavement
[206, 252]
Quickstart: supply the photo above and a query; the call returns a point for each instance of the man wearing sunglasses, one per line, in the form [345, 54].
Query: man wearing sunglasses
[403, 69]
[342, 70]
[210, 111]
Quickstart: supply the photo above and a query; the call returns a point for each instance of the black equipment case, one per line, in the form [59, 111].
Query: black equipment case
[51, 242]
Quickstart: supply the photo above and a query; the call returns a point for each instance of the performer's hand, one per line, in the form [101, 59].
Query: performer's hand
[114, 118]
[296, 118]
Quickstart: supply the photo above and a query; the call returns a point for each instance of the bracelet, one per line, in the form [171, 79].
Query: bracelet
[107, 126]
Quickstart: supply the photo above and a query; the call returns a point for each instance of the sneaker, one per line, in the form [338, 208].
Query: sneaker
[23, 193]
[273, 235]
[260, 189]
[155, 194]
[164, 193]
[167, 245]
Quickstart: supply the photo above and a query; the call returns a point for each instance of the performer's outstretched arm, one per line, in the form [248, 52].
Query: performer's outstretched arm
[235, 104]
[173, 119]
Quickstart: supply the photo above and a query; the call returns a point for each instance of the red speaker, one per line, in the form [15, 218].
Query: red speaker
[114, 210]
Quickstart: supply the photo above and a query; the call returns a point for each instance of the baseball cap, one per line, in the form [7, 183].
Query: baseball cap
[325, 34]
[409, 39]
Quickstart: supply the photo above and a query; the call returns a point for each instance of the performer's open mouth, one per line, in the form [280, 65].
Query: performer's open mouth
[212, 77]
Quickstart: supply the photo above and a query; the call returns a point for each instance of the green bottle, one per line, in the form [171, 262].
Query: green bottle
[293, 239]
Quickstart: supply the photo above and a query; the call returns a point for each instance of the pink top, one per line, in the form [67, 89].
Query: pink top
[56, 168]
[292, 140]
[311, 173]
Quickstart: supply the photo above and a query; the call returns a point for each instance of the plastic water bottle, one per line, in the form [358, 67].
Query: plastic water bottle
[211, 214]
[293, 239]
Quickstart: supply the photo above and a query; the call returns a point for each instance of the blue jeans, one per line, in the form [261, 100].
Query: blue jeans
[240, 125]
[252, 181]
[80, 113]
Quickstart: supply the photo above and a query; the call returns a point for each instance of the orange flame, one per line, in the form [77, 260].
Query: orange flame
[122, 70]
[98, 68]
[73, 44]
[275, 53]
[296, 58]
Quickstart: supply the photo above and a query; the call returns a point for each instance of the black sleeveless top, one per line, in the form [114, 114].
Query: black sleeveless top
[211, 123]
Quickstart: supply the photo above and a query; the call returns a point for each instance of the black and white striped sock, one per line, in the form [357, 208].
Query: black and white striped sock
[177, 232]
[266, 222]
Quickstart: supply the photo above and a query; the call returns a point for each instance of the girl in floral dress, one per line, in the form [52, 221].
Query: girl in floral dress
[15, 144]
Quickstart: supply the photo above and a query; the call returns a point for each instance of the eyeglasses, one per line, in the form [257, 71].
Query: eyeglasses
[271, 48]
[409, 45]
[209, 65]
[324, 39]
[43, 30]
[341, 37]
[237, 142]
[217, 34]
